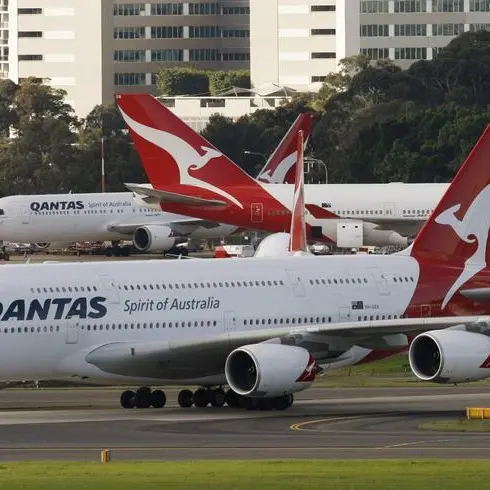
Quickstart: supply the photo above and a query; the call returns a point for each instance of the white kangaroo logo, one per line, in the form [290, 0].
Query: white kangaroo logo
[186, 156]
[278, 175]
[472, 228]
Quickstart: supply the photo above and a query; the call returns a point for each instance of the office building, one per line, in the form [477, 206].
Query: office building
[94, 48]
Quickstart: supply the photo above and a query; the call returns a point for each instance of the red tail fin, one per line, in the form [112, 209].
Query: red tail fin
[280, 167]
[298, 225]
[173, 153]
[457, 231]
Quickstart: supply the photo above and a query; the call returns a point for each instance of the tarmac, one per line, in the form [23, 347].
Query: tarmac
[338, 423]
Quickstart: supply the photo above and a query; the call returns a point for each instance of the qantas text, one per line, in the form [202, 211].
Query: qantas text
[169, 304]
[56, 205]
[53, 308]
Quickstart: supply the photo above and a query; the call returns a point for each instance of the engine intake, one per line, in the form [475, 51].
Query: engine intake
[450, 356]
[269, 370]
[153, 238]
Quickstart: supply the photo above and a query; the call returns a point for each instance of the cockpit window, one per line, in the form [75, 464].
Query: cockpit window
[2, 212]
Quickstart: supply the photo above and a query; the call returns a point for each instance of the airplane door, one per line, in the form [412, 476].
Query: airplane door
[296, 283]
[380, 280]
[389, 210]
[257, 212]
[229, 321]
[110, 289]
[25, 215]
[71, 332]
[344, 314]
[425, 311]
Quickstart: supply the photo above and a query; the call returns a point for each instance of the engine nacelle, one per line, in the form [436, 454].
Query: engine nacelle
[153, 238]
[450, 356]
[269, 370]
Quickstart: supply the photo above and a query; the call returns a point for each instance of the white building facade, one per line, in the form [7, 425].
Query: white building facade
[94, 48]
[297, 42]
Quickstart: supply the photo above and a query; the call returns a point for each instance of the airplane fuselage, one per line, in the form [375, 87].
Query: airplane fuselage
[53, 315]
[84, 217]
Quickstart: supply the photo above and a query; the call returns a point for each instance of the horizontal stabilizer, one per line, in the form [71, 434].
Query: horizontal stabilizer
[173, 197]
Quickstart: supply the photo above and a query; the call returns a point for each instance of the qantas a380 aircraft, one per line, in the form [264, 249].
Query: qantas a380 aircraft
[191, 177]
[263, 326]
[47, 218]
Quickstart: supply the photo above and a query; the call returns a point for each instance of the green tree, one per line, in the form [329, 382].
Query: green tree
[182, 81]
[221, 81]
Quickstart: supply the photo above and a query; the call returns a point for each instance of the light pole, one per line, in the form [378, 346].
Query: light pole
[102, 164]
[257, 153]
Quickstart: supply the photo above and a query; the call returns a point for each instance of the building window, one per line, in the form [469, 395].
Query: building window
[374, 6]
[236, 33]
[322, 8]
[325, 54]
[318, 78]
[236, 10]
[411, 30]
[30, 57]
[203, 9]
[447, 29]
[204, 55]
[204, 31]
[167, 55]
[322, 32]
[376, 53]
[410, 53]
[129, 32]
[129, 78]
[374, 30]
[129, 55]
[29, 11]
[167, 32]
[167, 9]
[129, 9]
[479, 5]
[479, 27]
[30, 34]
[447, 5]
[409, 6]
[235, 56]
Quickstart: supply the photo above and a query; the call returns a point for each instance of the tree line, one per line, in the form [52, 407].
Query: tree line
[373, 123]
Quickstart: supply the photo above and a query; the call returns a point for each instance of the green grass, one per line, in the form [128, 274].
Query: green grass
[460, 425]
[288, 474]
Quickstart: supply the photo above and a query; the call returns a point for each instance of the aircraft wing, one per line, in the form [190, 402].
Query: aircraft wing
[172, 197]
[182, 226]
[182, 359]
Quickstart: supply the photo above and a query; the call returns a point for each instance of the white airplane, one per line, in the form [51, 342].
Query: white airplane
[190, 177]
[262, 326]
[116, 216]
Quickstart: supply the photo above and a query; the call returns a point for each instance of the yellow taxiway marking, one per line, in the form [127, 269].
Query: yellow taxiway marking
[301, 425]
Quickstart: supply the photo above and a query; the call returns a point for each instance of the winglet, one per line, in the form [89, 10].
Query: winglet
[281, 165]
[298, 225]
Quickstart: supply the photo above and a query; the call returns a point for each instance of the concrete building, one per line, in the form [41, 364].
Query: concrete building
[94, 48]
[297, 42]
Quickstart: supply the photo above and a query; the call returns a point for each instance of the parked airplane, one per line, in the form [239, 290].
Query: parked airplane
[189, 176]
[115, 216]
[264, 327]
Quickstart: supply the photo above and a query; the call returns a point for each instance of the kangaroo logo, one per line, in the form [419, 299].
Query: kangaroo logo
[278, 175]
[474, 227]
[310, 371]
[185, 155]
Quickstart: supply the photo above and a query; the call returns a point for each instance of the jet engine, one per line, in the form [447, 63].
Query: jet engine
[269, 370]
[153, 238]
[376, 237]
[450, 356]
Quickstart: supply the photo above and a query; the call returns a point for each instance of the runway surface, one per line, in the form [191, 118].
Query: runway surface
[323, 423]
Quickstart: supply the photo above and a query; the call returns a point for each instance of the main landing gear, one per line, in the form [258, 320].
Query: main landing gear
[144, 397]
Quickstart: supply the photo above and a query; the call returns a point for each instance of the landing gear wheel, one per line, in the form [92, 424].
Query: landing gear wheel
[232, 399]
[217, 398]
[283, 402]
[158, 399]
[201, 398]
[127, 399]
[142, 397]
[266, 404]
[249, 403]
[185, 398]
